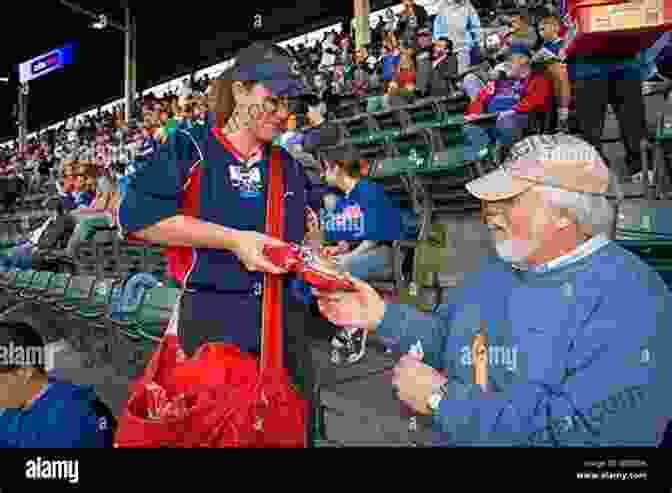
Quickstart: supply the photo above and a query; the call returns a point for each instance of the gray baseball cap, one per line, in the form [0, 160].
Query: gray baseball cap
[560, 160]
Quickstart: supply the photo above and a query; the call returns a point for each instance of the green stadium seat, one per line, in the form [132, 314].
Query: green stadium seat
[58, 285]
[156, 311]
[39, 285]
[100, 302]
[392, 167]
[77, 294]
[389, 123]
[432, 256]
[23, 281]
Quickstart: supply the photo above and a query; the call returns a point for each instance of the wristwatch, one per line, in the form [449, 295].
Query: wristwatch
[435, 399]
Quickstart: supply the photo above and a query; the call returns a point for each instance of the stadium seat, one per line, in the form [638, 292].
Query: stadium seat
[78, 292]
[432, 256]
[156, 311]
[38, 285]
[100, 302]
[23, 281]
[58, 286]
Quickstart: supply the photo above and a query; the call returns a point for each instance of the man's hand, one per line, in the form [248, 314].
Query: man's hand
[416, 382]
[362, 308]
[249, 250]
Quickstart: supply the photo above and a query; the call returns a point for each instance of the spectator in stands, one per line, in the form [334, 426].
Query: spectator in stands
[444, 68]
[412, 18]
[37, 411]
[563, 334]
[364, 214]
[361, 73]
[552, 53]
[365, 217]
[79, 197]
[218, 254]
[522, 33]
[406, 73]
[391, 56]
[458, 21]
[531, 92]
[423, 61]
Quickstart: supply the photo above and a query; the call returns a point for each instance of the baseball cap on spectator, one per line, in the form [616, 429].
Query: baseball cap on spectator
[269, 65]
[562, 161]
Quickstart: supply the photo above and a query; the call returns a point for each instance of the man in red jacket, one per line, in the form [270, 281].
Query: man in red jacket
[529, 92]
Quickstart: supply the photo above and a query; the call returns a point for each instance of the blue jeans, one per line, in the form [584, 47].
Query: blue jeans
[371, 263]
[477, 137]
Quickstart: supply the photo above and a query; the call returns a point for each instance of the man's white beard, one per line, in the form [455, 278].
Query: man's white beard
[514, 251]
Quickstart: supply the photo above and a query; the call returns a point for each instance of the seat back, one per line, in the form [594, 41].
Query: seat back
[157, 309]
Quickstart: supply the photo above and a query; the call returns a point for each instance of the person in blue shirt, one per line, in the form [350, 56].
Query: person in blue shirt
[37, 411]
[363, 217]
[562, 339]
[204, 195]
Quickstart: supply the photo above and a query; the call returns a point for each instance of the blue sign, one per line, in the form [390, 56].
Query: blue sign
[45, 64]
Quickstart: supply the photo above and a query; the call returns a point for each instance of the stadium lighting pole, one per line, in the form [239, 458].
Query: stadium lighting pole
[101, 22]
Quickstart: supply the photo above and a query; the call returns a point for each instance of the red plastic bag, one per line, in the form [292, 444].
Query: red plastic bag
[308, 267]
[215, 399]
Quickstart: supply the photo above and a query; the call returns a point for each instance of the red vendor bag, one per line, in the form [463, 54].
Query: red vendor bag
[222, 397]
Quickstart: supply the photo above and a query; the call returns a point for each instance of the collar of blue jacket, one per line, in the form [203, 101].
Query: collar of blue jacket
[582, 251]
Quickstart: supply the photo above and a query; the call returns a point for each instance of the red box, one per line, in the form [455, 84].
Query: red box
[618, 28]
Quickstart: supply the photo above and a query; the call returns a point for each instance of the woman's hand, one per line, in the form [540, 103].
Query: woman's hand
[250, 252]
[313, 230]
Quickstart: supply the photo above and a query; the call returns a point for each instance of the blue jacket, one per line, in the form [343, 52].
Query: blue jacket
[64, 417]
[578, 356]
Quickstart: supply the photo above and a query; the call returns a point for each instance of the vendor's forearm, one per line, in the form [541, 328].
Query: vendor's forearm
[190, 232]
[364, 247]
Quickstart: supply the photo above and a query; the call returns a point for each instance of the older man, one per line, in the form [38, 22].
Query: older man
[561, 341]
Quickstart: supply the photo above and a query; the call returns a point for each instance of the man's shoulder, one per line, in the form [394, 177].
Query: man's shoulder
[618, 265]
[68, 393]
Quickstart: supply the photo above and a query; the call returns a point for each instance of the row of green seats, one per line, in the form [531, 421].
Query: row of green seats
[361, 134]
[90, 299]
